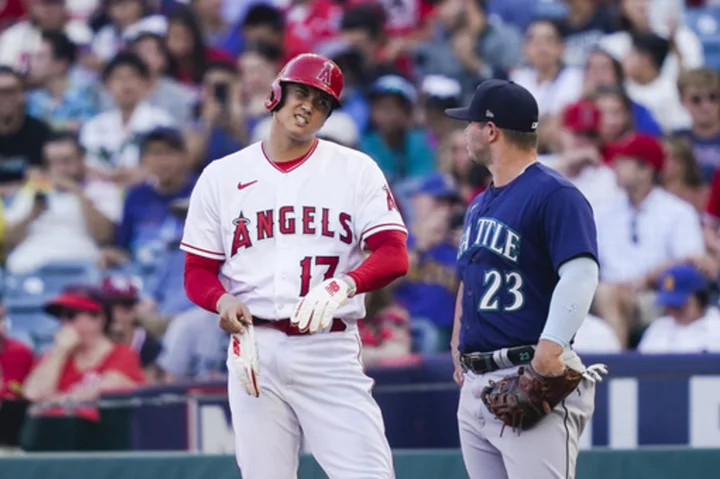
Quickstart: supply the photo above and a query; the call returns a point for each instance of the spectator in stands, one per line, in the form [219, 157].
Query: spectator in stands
[16, 360]
[60, 100]
[429, 289]
[221, 127]
[470, 178]
[109, 40]
[21, 136]
[259, 64]
[468, 46]
[218, 33]
[164, 92]
[189, 56]
[123, 297]
[264, 24]
[111, 138]
[553, 85]
[385, 331]
[401, 151]
[437, 94]
[616, 118]
[19, 43]
[68, 220]
[640, 234]
[194, 348]
[691, 323]
[587, 21]
[635, 19]
[147, 224]
[580, 158]
[363, 29]
[645, 85]
[83, 362]
[353, 97]
[681, 174]
[699, 91]
[604, 71]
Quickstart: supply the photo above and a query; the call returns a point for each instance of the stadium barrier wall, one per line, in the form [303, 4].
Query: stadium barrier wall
[645, 401]
[410, 464]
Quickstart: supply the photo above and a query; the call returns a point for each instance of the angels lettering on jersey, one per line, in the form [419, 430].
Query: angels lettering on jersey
[291, 220]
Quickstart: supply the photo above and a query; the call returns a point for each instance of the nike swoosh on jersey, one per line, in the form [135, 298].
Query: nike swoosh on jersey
[245, 185]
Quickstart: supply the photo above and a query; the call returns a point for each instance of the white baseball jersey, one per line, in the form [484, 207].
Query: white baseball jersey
[281, 233]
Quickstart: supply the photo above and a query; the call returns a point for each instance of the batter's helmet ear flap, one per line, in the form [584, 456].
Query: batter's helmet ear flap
[274, 98]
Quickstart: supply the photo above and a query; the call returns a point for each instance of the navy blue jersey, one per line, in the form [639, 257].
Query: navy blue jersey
[515, 239]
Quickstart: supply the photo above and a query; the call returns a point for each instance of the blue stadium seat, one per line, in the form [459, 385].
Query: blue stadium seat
[28, 320]
[705, 22]
[56, 276]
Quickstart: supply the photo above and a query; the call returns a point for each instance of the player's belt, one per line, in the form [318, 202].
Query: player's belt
[288, 328]
[482, 363]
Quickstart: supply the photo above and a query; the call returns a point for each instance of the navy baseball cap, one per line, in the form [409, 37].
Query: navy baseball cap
[505, 103]
[678, 284]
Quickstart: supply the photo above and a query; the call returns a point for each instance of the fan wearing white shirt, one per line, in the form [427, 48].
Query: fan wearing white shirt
[691, 324]
[112, 138]
[67, 221]
[640, 234]
[646, 85]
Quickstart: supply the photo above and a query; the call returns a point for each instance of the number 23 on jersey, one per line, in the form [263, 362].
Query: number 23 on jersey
[496, 282]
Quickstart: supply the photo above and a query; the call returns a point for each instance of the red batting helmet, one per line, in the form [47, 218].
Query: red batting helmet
[308, 69]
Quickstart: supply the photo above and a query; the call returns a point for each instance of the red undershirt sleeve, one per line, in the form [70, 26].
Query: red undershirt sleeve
[202, 285]
[388, 261]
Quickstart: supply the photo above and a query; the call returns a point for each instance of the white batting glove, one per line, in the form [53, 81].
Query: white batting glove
[244, 362]
[317, 310]
[595, 373]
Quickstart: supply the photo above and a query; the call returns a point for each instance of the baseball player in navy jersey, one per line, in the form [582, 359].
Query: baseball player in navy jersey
[297, 229]
[527, 263]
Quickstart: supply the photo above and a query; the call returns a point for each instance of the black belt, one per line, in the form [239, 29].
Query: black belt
[482, 363]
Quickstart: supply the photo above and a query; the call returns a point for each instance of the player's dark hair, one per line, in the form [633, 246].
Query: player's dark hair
[61, 46]
[126, 59]
[522, 140]
[264, 16]
[366, 17]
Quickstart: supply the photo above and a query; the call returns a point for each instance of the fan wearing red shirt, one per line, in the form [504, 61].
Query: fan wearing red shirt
[310, 23]
[15, 362]
[83, 362]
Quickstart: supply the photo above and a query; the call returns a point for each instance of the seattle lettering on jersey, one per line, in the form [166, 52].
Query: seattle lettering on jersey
[492, 235]
[307, 221]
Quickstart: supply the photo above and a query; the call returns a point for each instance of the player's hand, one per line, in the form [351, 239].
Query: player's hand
[547, 360]
[233, 314]
[317, 310]
[458, 373]
[244, 360]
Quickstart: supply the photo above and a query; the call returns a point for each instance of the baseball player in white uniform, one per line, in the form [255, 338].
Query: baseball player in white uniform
[277, 240]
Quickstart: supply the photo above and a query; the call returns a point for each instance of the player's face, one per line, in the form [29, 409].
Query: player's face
[478, 145]
[304, 110]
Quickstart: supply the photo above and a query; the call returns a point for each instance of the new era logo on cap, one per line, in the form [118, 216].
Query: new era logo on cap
[505, 103]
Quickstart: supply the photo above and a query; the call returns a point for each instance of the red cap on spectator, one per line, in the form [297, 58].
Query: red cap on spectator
[582, 117]
[641, 147]
[120, 288]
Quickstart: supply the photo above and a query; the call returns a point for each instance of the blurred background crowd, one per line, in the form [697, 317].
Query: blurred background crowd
[109, 110]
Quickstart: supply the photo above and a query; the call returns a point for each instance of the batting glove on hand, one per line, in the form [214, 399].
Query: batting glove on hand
[317, 310]
[595, 373]
[244, 362]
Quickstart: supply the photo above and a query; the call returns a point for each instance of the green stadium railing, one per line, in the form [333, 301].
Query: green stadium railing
[649, 463]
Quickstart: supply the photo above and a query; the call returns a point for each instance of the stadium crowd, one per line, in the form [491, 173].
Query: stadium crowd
[109, 110]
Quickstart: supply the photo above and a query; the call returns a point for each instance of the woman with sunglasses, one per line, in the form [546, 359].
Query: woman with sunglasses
[83, 362]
